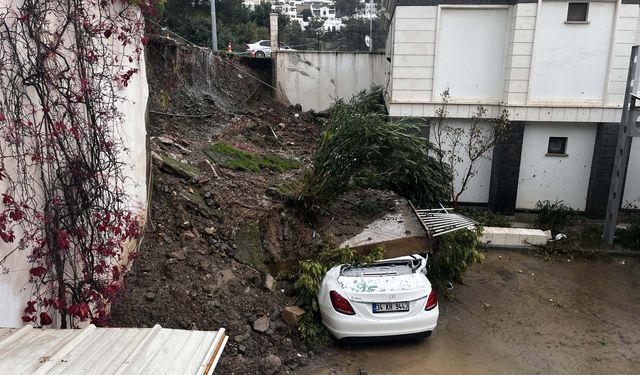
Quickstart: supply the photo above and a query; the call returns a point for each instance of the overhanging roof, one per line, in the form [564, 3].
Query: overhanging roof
[94, 350]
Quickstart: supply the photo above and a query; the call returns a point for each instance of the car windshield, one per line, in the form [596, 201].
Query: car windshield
[395, 268]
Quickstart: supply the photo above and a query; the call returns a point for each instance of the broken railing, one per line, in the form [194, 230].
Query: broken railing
[439, 221]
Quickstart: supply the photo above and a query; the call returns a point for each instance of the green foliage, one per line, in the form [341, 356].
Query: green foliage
[629, 237]
[346, 8]
[554, 216]
[235, 22]
[457, 251]
[486, 218]
[239, 25]
[360, 147]
[308, 282]
[235, 158]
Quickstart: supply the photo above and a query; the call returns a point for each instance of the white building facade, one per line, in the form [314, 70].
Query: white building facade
[559, 67]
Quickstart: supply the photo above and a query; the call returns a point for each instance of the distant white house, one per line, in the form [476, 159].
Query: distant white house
[319, 9]
[559, 67]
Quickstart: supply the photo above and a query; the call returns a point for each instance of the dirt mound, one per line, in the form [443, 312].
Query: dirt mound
[218, 231]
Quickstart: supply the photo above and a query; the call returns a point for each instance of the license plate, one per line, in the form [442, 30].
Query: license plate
[390, 307]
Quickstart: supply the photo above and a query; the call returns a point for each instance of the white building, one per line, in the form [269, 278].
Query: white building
[559, 67]
[322, 9]
[368, 9]
[251, 4]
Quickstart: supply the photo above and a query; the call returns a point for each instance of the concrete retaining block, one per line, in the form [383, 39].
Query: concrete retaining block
[496, 236]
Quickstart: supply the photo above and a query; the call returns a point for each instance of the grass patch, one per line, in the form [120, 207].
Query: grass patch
[234, 158]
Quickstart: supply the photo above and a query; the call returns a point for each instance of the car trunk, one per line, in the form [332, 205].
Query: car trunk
[380, 290]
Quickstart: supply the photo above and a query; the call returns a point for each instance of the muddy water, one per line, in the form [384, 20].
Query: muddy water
[519, 315]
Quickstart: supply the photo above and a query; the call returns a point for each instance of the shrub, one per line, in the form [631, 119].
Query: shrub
[554, 216]
[456, 252]
[629, 237]
[309, 280]
[486, 218]
[360, 147]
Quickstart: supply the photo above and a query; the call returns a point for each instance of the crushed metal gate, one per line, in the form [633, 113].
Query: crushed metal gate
[439, 221]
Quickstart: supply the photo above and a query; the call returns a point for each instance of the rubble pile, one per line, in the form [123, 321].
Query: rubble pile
[218, 229]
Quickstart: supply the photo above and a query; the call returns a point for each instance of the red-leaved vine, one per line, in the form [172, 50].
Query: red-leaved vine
[63, 67]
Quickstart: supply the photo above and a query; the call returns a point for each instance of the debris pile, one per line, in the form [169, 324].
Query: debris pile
[218, 230]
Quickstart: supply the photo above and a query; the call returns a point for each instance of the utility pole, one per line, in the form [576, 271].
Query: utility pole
[214, 29]
[628, 129]
[370, 26]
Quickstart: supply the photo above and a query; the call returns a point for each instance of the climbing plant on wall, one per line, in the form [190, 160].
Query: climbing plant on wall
[63, 67]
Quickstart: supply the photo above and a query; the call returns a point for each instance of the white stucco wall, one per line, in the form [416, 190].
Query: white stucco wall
[314, 79]
[478, 187]
[570, 61]
[631, 196]
[555, 177]
[470, 53]
[15, 290]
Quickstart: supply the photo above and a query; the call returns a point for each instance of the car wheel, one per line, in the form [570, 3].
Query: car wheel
[260, 54]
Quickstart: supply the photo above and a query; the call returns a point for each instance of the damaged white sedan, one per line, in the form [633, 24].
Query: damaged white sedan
[387, 299]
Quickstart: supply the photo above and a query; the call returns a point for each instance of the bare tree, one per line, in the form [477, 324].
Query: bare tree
[458, 145]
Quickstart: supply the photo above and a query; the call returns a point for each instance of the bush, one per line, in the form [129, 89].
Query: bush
[309, 280]
[456, 252]
[554, 216]
[360, 147]
[630, 237]
[486, 218]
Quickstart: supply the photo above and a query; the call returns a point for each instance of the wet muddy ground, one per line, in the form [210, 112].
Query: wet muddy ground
[518, 314]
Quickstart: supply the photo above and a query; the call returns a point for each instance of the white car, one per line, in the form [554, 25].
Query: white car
[387, 299]
[262, 48]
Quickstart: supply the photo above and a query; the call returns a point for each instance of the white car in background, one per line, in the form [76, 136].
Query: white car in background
[391, 298]
[262, 48]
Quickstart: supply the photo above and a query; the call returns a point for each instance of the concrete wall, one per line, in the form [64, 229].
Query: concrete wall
[470, 53]
[315, 79]
[553, 178]
[15, 289]
[631, 196]
[571, 59]
[552, 71]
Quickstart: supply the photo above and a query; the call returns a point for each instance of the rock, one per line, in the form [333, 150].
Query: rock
[166, 140]
[292, 315]
[362, 372]
[269, 282]
[150, 297]
[270, 364]
[188, 234]
[210, 231]
[205, 264]
[242, 349]
[166, 238]
[241, 338]
[261, 324]
[179, 255]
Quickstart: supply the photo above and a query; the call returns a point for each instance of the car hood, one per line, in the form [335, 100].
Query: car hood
[385, 288]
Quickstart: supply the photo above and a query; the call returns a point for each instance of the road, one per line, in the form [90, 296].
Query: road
[518, 314]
